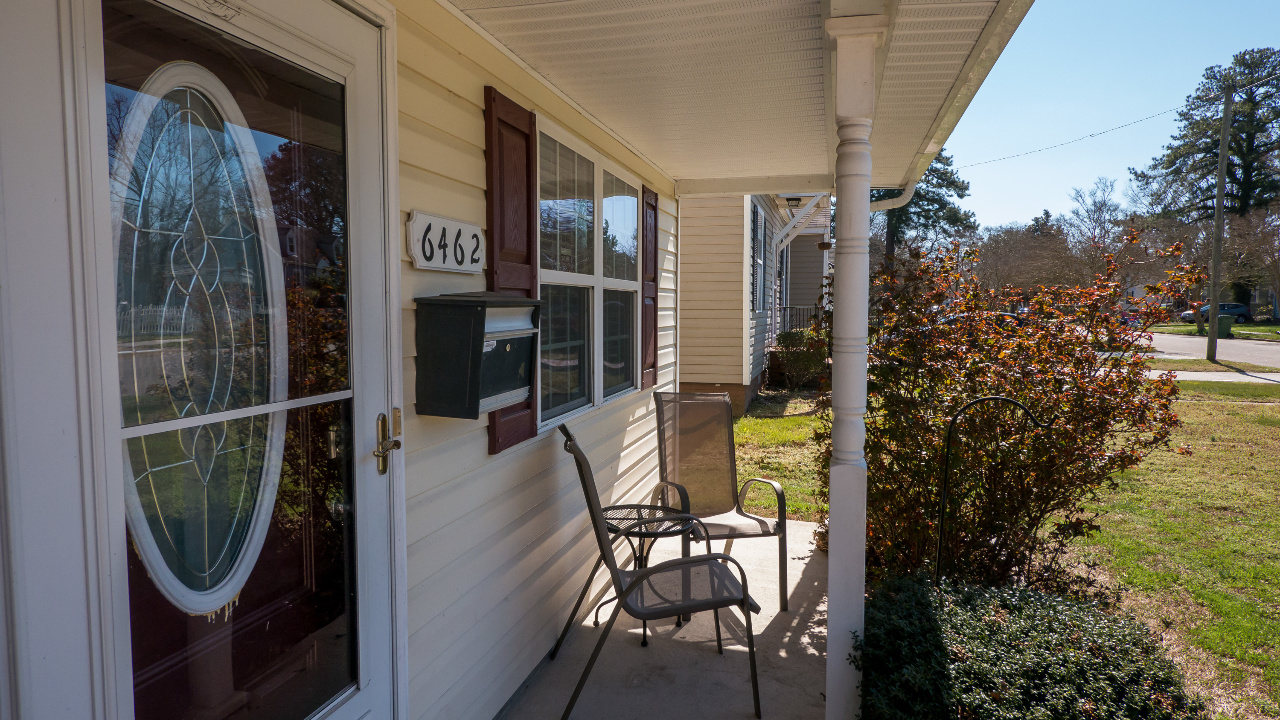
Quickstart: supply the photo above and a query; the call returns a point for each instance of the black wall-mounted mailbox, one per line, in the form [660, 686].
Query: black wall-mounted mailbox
[475, 352]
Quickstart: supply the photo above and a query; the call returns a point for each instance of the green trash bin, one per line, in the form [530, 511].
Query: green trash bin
[1224, 325]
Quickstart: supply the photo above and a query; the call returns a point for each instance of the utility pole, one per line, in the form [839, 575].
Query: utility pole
[1219, 218]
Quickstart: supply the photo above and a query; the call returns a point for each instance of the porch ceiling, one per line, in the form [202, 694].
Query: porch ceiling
[713, 89]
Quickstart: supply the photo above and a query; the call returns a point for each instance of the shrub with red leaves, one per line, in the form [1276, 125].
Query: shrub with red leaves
[1018, 493]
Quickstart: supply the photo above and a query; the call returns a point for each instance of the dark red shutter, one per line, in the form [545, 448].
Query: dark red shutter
[649, 292]
[511, 173]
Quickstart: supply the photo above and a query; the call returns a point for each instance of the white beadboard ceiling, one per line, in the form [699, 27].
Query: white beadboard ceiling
[738, 88]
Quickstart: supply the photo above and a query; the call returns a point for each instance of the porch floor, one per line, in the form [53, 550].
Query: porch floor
[680, 674]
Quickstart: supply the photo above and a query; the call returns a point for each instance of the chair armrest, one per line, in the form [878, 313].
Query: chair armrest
[777, 490]
[684, 494]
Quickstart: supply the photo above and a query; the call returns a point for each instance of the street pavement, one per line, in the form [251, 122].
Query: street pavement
[1193, 346]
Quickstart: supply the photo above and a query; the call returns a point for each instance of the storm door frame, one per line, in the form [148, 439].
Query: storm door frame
[259, 22]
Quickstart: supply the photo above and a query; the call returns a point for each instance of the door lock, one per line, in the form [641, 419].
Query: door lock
[385, 444]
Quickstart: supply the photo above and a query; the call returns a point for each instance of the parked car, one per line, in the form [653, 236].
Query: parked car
[1238, 310]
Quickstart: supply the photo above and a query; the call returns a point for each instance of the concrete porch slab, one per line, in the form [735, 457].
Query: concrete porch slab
[680, 675]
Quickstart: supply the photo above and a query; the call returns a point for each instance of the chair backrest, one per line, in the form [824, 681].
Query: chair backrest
[695, 449]
[588, 480]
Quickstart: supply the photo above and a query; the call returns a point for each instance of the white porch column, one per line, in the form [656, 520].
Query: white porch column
[856, 39]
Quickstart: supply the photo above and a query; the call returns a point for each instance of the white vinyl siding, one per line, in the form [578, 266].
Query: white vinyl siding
[498, 545]
[713, 288]
[805, 272]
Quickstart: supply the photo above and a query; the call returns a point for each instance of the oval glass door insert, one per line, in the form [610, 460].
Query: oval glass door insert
[202, 336]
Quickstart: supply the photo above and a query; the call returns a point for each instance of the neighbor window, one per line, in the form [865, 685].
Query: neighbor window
[759, 235]
[589, 273]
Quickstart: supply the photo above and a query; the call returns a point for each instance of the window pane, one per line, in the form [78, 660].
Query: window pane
[621, 203]
[619, 338]
[566, 349]
[566, 208]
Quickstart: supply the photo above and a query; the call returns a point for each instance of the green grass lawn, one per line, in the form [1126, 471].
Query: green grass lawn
[1195, 390]
[775, 440]
[1196, 541]
[1202, 365]
[1245, 331]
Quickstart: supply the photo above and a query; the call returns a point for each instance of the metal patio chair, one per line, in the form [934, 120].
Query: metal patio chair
[695, 450]
[669, 589]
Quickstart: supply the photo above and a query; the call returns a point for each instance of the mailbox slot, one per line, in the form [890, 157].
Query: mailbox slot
[476, 353]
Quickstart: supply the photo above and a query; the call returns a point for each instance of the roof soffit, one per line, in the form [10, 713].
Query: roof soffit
[738, 88]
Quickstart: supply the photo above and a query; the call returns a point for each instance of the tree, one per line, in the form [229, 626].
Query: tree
[1255, 238]
[1096, 222]
[931, 213]
[1018, 494]
[1027, 256]
[1183, 179]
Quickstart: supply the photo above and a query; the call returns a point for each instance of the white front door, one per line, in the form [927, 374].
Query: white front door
[245, 361]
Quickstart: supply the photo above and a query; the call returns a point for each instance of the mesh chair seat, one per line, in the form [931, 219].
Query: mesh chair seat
[683, 588]
[736, 524]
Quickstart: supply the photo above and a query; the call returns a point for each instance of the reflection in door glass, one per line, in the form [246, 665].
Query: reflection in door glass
[229, 217]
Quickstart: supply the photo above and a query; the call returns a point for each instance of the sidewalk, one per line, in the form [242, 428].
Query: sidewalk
[1220, 376]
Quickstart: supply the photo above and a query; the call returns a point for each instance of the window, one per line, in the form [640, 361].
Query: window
[589, 272]
[619, 341]
[566, 208]
[621, 202]
[759, 235]
[784, 257]
[566, 352]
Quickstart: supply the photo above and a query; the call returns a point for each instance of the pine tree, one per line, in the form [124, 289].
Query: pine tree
[931, 212]
[1182, 181]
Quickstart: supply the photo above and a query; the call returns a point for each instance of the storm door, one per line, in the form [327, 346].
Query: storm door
[251, 343]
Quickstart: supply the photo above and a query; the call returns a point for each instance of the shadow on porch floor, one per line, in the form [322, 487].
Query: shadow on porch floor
[680, 675]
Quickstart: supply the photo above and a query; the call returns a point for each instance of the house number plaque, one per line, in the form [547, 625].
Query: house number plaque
[437, 243]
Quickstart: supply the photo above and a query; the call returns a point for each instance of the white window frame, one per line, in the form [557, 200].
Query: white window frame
[596, 282]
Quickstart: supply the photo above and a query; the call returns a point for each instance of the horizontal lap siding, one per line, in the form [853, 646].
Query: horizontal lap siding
[805, 270]
[497, 545]
[712, 289]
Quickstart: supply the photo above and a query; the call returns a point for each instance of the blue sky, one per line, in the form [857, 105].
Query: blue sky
[1079, 66]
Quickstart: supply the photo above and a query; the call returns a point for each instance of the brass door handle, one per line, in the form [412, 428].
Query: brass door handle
[385, 445]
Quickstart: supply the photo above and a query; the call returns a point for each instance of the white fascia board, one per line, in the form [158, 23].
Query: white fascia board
[1002, 23]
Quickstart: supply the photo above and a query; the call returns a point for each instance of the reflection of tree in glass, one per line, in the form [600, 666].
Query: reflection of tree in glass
[191, 282]
[565, 227]
[620, 254]
[308, 189]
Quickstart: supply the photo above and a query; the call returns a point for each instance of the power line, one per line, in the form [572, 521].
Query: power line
[1207, 101]
[1070, 142]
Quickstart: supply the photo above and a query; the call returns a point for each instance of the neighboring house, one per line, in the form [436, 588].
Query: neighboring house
[215, 493]
[751, 268]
